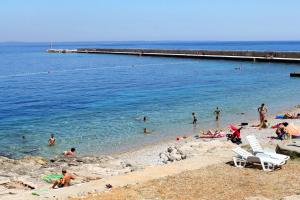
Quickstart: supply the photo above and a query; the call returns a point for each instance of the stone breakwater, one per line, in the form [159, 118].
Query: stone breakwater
[264, 56]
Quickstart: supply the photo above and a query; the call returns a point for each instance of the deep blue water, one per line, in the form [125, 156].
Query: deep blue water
[96, 102]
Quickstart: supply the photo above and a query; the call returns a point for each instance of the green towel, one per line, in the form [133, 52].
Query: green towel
[50, 177]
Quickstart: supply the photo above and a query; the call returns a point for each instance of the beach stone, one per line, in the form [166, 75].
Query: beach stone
[175, 156]
[34, 159]
[183, 157]
[291, 149]
[164, 158]
[294, 197]
[257, 198]
[170, 149]
[4, 180]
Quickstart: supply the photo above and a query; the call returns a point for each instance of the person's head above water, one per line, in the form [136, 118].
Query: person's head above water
[52, 135]
[262, 105]
[73, 149]
[193, 113]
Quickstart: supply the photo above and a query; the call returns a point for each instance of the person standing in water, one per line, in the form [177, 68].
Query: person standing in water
[51, 140]
[194, 118]
[262, 110]
[217, 113]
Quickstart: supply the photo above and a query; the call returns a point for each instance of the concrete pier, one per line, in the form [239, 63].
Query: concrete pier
[295, 74]
[256, 56]
[62, 50]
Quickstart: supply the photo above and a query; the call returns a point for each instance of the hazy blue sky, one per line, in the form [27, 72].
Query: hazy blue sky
[100, 20]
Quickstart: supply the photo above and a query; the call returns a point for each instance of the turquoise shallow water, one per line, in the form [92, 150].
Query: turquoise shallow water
[96, 102]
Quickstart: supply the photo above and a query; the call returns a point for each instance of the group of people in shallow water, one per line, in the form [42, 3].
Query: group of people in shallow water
[68, 153]
[217, 113]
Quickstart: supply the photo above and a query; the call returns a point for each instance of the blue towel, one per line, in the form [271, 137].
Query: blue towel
[279, 117]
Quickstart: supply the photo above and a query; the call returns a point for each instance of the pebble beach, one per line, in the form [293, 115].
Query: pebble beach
[23, 178]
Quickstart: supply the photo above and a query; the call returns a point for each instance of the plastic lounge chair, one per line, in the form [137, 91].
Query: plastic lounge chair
[257, 148]
[243, 157]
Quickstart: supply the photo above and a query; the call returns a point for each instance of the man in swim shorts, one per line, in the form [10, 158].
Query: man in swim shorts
[64, 181]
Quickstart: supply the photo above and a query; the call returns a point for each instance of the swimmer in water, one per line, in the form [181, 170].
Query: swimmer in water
[51, 140]
[70, 153]
[145, 119]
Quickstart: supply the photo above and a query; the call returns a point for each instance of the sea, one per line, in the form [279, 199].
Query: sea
[96, 103]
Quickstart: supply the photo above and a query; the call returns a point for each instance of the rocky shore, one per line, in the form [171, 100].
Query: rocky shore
[25, 176]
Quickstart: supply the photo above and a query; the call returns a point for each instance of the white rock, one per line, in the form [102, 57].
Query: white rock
[294, 197]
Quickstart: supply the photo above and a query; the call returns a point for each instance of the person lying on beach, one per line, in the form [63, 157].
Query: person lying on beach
[64, 181]
[264, 124]
[51, 140]
[291, 116]
[70, 153]
[213, 134]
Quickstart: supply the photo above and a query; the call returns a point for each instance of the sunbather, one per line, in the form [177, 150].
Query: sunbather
[291, 116]
[216, 133]
[263, 124]
[64, 181]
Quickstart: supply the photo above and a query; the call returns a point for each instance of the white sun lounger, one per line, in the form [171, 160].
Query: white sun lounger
[243, 157]
[257, 148]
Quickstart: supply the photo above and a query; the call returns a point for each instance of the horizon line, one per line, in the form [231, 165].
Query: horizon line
[90, 41]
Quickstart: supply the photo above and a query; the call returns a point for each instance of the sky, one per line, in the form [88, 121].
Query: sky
[148, 20]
